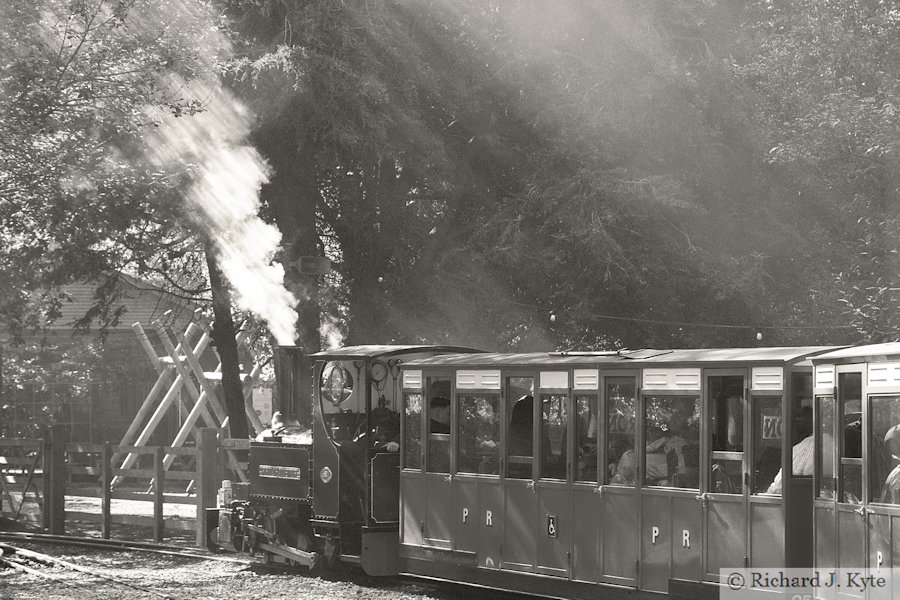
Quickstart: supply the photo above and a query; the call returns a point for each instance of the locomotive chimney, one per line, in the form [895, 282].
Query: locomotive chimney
[292, 383]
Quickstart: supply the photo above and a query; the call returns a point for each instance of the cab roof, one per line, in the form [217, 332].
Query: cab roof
[377, 351]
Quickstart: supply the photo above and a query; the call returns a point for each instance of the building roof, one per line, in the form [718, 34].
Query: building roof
[142, 302]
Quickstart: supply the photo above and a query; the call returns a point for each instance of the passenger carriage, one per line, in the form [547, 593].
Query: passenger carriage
[650, 469]
[857, 453]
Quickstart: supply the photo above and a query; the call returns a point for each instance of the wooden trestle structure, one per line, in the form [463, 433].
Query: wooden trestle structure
[182, 380]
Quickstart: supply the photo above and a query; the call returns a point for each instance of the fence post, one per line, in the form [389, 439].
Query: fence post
[106, 492]
[54, 516]
[159, 489]
[207, 480]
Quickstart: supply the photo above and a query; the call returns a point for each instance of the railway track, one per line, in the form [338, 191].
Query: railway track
[64, 572]
[67, 540]
[67, 574]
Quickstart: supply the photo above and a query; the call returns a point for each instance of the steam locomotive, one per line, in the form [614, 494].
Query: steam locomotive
[558, 474]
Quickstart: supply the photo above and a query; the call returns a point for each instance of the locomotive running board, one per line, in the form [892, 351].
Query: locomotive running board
[307, 559]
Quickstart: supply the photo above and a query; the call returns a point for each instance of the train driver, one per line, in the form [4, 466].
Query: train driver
[282, 425]
[386, 427]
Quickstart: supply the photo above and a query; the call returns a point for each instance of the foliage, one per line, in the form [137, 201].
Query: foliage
[512, 175]
[503, 175]
[829, 75]
[77, 201]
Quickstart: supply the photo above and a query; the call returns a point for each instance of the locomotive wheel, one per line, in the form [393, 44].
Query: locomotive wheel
[212, 540]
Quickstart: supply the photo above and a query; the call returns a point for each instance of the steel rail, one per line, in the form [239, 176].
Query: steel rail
[6, 559]
[116, 545]
[46, 558]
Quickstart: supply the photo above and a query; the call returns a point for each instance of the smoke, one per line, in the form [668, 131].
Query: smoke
[222, 199]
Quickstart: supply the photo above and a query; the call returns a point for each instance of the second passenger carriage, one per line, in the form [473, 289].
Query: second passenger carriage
[649, 469]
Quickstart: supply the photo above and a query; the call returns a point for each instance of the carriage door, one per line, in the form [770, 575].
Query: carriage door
[883, 465]
[554, 526]
[851, 514]
[824, 481]
[839, 514]
[764, 450]
[619, 494]
[519, 471]
[669, 453]
[725, 498]
[477, 495]
[438, 523]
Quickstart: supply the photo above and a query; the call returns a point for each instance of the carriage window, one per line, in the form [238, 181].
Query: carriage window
[520, 427]
[802, 437]
[672, 436]
[437, 391]
[479, 434]
[554, 417]
[850, 394]
[884, 458]
[586, 437]
[824, 446]
[412, 431]
[726, 421]
[767, 429]
[621, 403]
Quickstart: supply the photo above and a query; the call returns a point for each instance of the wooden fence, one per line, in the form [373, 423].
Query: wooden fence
[36, 477]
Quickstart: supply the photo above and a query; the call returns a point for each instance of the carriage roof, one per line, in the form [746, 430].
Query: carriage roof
[624, 358]
[868, 353]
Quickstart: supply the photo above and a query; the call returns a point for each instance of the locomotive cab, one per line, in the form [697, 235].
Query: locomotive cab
[356, 465]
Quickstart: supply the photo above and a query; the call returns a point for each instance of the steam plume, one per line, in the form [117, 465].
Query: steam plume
[223, 198]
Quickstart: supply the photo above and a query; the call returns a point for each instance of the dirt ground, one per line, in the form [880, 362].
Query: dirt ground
[182, 578]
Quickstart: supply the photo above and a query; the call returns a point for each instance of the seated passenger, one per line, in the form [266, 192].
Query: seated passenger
[803, 453]
[890, 493]
[680, 458]
[656, 473]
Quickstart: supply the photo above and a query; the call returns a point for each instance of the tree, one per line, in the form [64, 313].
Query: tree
[830, 80]
[89, 191]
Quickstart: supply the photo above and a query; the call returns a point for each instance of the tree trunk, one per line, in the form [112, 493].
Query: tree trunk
[292, 193]
[223, 336]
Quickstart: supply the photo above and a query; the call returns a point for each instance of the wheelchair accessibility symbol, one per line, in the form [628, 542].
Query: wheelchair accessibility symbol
[551, 526]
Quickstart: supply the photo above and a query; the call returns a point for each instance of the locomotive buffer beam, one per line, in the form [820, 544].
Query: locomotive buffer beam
[307, 559]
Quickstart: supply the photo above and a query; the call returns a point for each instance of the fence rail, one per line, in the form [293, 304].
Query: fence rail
[44, 472]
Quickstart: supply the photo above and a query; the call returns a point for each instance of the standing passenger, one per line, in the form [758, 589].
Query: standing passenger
[440, 415]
